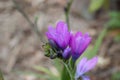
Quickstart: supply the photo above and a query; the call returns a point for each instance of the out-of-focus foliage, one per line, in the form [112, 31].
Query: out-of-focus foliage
[46, 73]
[115, 14]
[114, 22]
[98, 42]
[117, 38]
[116, 76]
[95, 5]
[1, 76]
[51, 75]
[58, 65]
[41, 76]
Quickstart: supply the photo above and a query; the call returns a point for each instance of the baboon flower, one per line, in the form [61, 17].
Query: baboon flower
[59, 37]
[84, 66]
[78, 44]
[60, 34]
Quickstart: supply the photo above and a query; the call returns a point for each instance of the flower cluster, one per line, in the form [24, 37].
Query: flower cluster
[59, 38]
[66, 45]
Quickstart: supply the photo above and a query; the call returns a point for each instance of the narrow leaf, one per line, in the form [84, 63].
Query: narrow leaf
[95, 5]
[1, 76]
[42, 69]
[65, 74]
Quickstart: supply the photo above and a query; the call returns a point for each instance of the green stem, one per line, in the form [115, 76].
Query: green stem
[70, 73]
[1, 76]
[67, 11]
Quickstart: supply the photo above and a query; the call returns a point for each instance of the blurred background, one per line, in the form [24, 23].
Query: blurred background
[23, 24]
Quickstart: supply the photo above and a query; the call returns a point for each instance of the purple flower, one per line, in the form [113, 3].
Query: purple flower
[78, 44]
[85, 78]
[84, 66]
[60, 35]
[59, 38]
[67, 53]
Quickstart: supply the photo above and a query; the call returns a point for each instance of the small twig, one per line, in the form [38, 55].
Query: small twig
[67, 11]
[33, 25]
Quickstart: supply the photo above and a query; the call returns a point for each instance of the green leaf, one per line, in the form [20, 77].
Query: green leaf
[43, 69]
[50, 74]
[58, 65]
[98, 42]
[65, 74]
[117, 38]
[114, 22]
[38, 75]
[116, 76]
[1, 76]
[115, 14]
[95, 5]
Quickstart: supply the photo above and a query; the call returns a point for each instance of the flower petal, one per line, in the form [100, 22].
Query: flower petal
[51, 34]
[61, 27]
[78, 34]
[67, 52]
[85, 78]
[80, 66]
[60, 34]
[90, 64]
[84, 66]
[78, 44]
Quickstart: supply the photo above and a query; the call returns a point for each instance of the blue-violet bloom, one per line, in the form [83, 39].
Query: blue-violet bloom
[84, 66]
[78, 44]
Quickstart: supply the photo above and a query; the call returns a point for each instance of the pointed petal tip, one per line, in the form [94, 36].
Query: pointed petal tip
[61, 26]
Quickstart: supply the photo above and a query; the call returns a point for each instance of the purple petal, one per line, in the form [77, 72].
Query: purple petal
[84, 42]
[86, 35]
[51, 34]
[79, 43]
[90, 64]
[80, 66]
[53, 44]
[85, 78]
[60, 35]
[72, 43]
[78, 34]
[61, 27]
[66, 54]
[84, 66]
